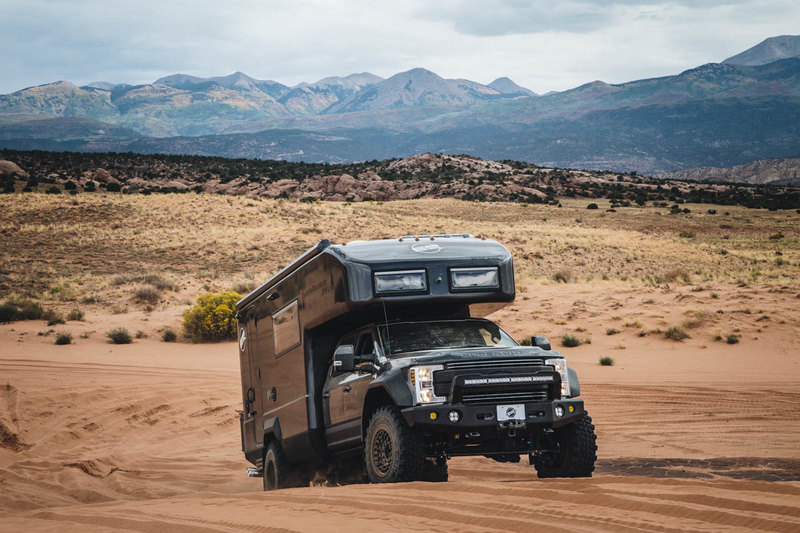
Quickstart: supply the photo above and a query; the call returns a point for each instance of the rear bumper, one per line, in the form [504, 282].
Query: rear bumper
[484, 416]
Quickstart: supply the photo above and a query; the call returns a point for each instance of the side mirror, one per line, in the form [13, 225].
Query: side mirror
[541, 342]
[343, 358]
[367, 358]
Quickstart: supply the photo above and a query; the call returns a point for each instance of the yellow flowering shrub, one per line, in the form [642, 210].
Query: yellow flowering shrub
[212, 318]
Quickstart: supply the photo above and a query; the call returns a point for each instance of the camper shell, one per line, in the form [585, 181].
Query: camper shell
[317, 363]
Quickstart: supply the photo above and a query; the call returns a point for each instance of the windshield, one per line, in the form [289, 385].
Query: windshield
[419, 336]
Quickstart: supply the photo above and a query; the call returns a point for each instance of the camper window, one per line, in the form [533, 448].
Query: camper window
[286, 329]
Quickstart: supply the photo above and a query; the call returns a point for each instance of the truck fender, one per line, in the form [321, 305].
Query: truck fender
[381, 393]
[574, 384]
[272, 430]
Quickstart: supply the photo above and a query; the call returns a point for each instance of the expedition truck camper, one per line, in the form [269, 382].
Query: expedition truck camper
[375, 356]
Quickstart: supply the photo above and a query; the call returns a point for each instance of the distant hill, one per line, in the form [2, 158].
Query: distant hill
[768, 51]
[418, 176]
[507, 86]
[782, 171]
[417, 87]
[714, 115]
[319, 97]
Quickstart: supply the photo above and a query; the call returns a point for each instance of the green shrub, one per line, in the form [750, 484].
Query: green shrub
[31, 311]
[570, 341]
[169, 336]
[75, 315]
[591, 206]
[147, 294]
[612, 331]
[776, 236]
[8, 313]
[141, 334]
[119, 336]
[64, 338]
[245, 288]
[606, 361]
[687, 234]
[525, 342]
[563, 276]
[53, 190]
[732, 339]
[676, 333]
[212, 318]
[53, 317]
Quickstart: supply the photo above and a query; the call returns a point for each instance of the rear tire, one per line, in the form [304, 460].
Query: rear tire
[278, 473]
[393, 451]
[576, 451]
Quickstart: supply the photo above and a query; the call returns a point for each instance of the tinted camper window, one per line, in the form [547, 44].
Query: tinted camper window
[286, 329]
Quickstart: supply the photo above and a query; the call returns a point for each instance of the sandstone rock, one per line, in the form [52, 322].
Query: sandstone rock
[101, 175]
[345, 184]
[7, 168]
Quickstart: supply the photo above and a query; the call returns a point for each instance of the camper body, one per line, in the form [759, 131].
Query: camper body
[377, 353]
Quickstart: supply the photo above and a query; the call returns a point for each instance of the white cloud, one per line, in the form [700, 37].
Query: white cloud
[542, 45]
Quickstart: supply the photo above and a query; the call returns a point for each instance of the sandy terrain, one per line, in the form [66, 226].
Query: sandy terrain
[145, 436]
[697, 434]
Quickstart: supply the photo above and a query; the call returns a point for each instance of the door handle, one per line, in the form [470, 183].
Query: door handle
[326, 394]
[348, 388]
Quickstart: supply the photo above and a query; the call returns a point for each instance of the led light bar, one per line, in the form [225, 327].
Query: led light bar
[474, 278]
[400, 281]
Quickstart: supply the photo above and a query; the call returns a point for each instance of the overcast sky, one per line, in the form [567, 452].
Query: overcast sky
[541, 44]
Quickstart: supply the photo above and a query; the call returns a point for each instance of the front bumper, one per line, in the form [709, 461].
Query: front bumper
[475, 417]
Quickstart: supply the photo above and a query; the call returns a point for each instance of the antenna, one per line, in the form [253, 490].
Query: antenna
[386, 320]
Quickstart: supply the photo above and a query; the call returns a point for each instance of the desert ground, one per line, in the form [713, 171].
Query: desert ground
[698, 434]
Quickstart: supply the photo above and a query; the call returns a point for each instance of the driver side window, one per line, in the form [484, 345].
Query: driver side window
[366, 344]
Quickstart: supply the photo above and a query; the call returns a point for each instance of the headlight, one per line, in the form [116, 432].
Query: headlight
[560, 366]
[400, 281]
[421, 378]
[474, 278]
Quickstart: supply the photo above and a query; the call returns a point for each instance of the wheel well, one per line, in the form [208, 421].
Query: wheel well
[375, 399]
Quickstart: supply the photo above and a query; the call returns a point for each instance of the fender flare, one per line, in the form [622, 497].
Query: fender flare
[272, 430]
[574, 384]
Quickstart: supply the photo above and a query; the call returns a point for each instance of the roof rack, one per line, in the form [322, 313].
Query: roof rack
[441, 236]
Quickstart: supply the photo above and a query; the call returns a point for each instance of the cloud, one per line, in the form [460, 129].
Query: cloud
[542, 45]
[507, 17]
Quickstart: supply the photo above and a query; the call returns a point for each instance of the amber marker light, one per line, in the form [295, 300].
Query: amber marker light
[433, 415]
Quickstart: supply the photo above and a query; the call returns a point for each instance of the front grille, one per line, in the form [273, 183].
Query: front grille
[494, 363]
[498, 367]
[504, 397]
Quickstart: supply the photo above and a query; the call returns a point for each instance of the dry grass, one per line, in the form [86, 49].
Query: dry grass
[66, 249]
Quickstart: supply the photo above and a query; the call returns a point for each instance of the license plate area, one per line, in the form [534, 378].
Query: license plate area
[506, 413]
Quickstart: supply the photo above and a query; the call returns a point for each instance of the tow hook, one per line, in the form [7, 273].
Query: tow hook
[512, 425]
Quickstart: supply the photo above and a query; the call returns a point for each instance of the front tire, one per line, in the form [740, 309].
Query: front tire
[575, 454]
[278, 473]
[393, 451]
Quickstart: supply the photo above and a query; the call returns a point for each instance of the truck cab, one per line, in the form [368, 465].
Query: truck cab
[380, 357]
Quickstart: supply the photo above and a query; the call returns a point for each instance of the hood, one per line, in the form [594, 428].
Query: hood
[469, 354]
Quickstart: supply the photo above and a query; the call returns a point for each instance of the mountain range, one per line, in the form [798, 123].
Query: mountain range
[715, 115]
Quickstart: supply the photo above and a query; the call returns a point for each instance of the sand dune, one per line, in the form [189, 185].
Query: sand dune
[145, 437]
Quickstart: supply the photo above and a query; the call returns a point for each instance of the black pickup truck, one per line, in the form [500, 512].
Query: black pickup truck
[375, 356]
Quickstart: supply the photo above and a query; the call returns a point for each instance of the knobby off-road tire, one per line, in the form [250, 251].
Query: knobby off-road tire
[278, 473]
[435, 471]
[393, 451]
[577, 451]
